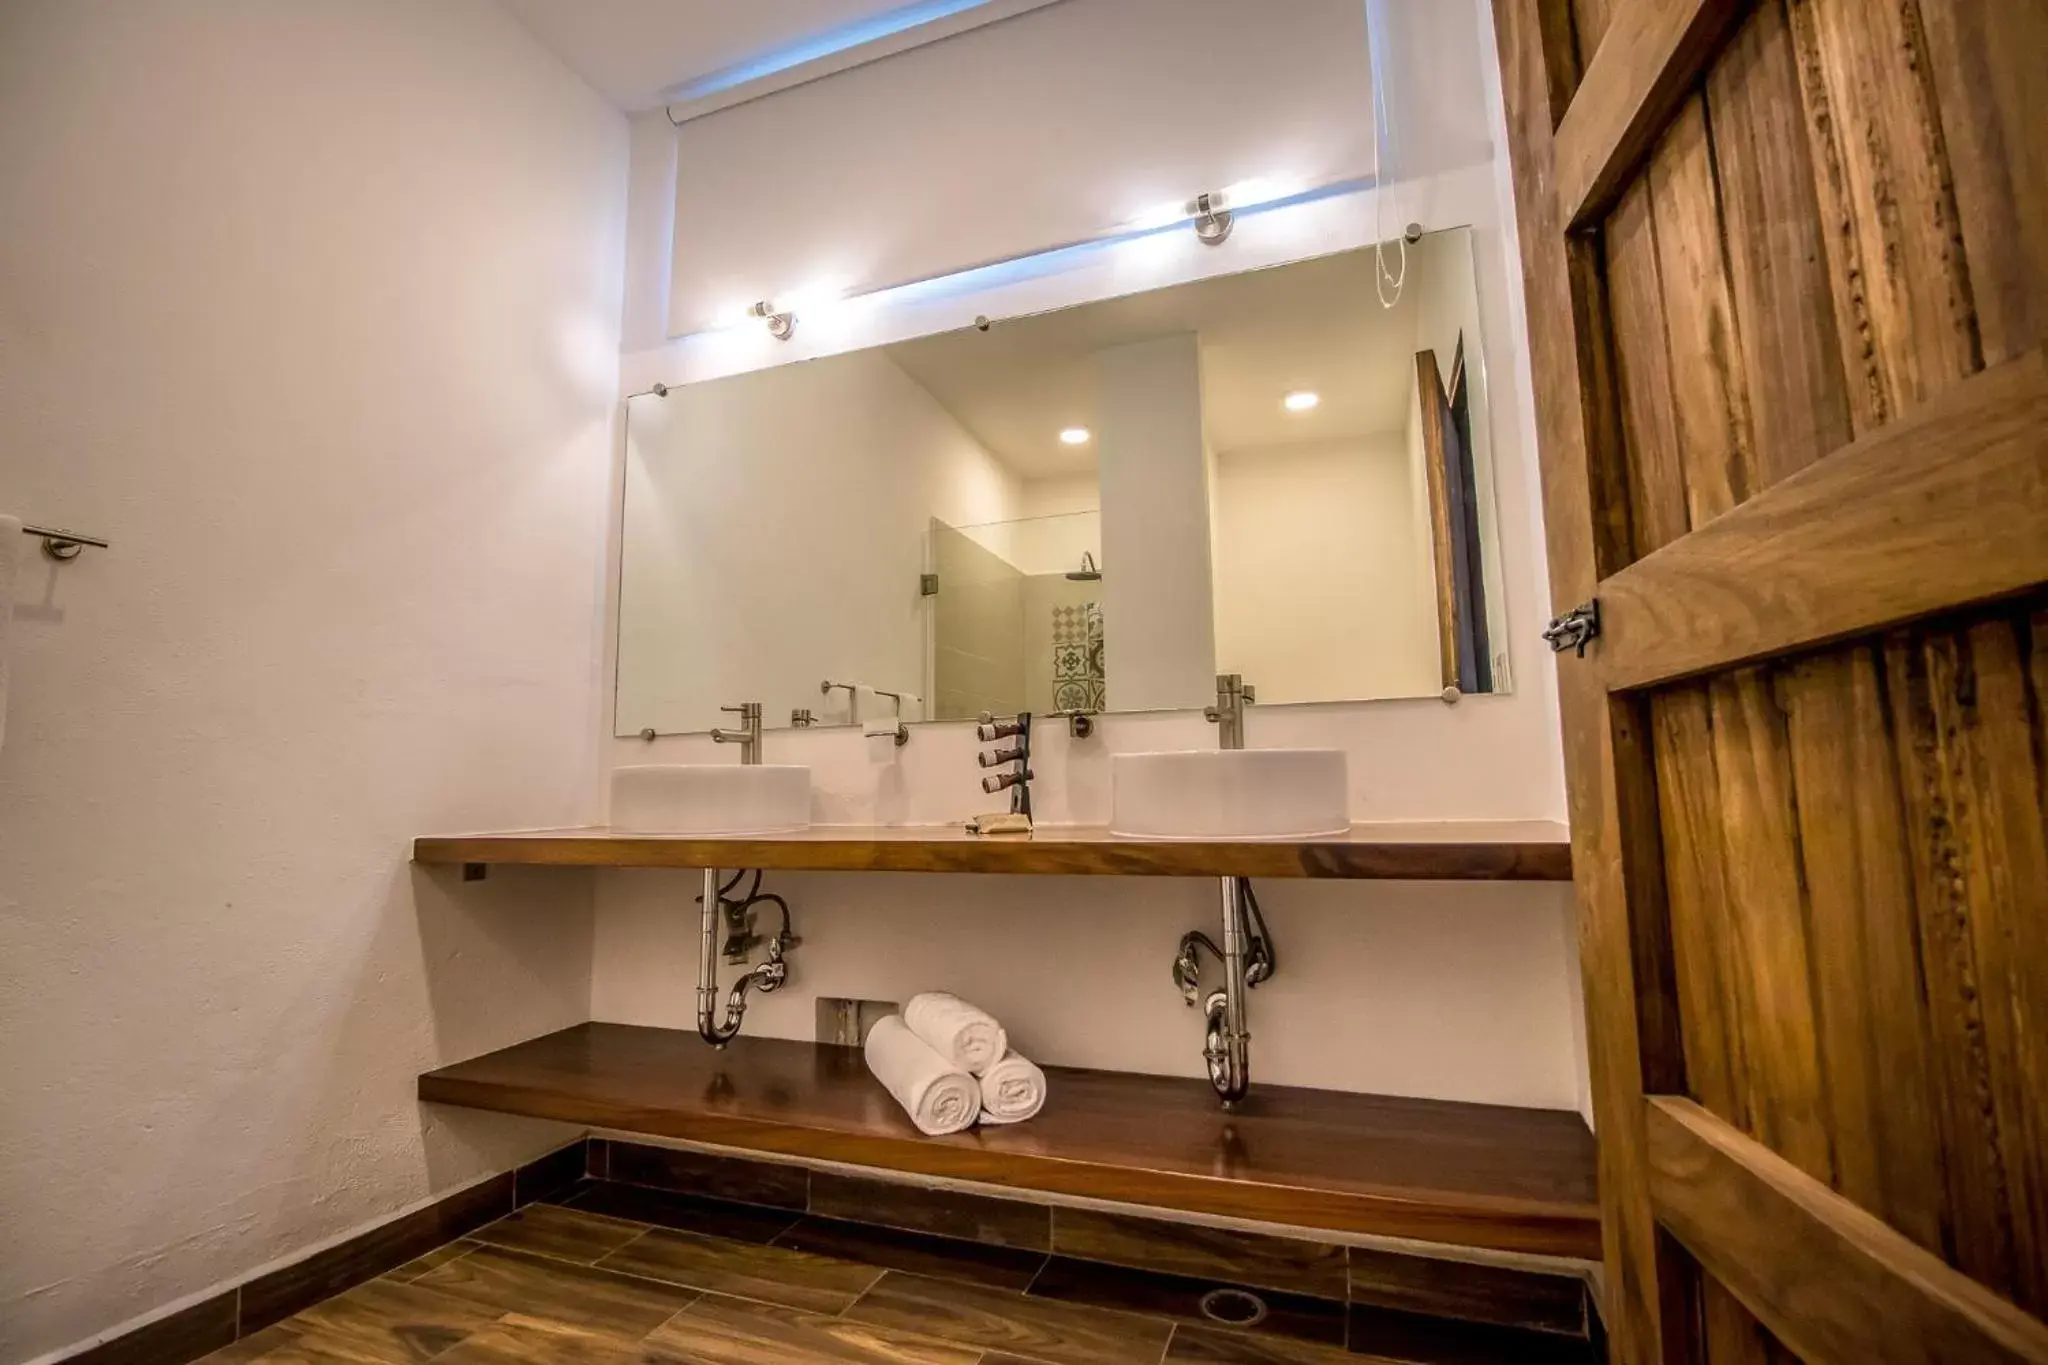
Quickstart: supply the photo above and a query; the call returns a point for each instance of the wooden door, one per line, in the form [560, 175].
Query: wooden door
[1787, 277]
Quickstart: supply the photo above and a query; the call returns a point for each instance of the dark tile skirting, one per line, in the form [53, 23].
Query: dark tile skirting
[223, 1318]
[1386, 1303]
[1381, 1301]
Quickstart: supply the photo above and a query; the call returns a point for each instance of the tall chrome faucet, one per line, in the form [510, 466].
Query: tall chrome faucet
[1232, 692]
[748, 736]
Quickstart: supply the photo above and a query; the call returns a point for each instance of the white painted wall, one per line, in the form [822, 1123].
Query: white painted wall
[313, 310]
[1494, 757]
[735, 591]
[1311, 541]
[1158, 625]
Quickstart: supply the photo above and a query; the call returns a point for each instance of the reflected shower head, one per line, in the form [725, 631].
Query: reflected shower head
[1087, 573]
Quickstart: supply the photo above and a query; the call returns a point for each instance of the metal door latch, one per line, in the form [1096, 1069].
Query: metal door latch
[1573, 630]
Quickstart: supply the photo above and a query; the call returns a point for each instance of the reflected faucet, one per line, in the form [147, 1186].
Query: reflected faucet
[748, 736]
[1232, 692]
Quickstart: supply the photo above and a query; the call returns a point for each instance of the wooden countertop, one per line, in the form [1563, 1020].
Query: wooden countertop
[1449, 851]
[1465, 1174]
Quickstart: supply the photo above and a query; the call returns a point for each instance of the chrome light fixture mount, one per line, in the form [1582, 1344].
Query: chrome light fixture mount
[780, 325]
[1212, 221]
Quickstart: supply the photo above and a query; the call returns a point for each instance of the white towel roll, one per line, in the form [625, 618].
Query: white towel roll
[1012, 1090]
[939, 1098]
[963, 1035]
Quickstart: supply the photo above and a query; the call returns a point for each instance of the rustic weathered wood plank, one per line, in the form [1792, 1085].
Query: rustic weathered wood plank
[1790, 357]
[1631, 1004]
[1871, 1013]
[1429, 399]
[1901, 286]
[1650, 57]
[1477, 1175]
[1642, 368]
[1986, 64]
[1456, 851]
[1972, 899]
[1944, 508]
[1830, 1280]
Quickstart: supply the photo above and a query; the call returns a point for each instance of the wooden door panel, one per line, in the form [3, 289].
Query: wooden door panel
[1788, 294]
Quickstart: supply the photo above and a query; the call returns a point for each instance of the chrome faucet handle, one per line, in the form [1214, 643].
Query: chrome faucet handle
[1249, 692]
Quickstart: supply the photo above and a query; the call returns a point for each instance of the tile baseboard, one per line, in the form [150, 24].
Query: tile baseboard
[222, 1318]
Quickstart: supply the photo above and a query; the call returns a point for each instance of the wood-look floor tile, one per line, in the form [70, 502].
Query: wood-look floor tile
[574, 1295]
[1204, 1253]
[1203, 1346]
[683, 1212]
[254, 1346]
[720, 1331]
[920, 1253]
[385, 1320]
[1177, 1296]
[794, 1279]
[1390, 1334]
[519, 1339]
[1460, 1289]
[998, 1320]
[420, 1265]
[564, 1233]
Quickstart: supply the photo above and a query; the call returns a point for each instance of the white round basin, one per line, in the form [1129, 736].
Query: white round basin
[1229, 794]
[711, 798]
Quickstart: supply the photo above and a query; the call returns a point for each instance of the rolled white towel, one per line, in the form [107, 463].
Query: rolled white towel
[965, 1036]
[1012, 1090]
[939, 1097]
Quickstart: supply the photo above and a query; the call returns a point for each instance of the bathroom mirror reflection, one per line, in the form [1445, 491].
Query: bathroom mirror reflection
[1097, 508]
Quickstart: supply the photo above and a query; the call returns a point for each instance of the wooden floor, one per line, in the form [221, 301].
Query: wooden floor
[669, 1280]
[1463, 1174]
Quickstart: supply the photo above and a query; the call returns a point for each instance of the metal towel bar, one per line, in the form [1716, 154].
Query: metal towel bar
[60, 544]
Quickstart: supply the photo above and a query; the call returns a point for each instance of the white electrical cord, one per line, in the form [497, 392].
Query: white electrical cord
[1382, 138]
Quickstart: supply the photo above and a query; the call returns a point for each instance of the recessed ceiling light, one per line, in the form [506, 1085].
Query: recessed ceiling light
[1301, 400]
[1074, 436]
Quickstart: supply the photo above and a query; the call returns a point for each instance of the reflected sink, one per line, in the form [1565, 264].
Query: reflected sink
[1229, 794]
[711, 798]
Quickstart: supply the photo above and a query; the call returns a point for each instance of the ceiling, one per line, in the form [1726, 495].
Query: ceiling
[1315, 325]
[634, 50]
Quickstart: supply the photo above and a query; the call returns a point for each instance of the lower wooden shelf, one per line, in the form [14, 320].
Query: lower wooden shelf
[1464, 1174]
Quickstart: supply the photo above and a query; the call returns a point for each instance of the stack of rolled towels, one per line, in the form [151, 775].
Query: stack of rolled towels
[950, 1065]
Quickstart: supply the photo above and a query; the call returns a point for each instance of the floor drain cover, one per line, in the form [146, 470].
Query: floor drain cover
[1233, 1307]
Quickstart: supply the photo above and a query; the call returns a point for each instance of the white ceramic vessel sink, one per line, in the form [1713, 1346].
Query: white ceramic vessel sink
[711, 798]
[1229, 794]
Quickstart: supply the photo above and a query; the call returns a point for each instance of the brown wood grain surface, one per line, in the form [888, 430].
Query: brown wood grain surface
[1648, 56]
[1527, 850]
[1832, 1281]
[1942, 509]
[1478, 1175]
[1434, 409]
[1787, 295]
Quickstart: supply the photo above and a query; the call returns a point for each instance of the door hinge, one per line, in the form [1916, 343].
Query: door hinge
[927, 585]
[1573, 630]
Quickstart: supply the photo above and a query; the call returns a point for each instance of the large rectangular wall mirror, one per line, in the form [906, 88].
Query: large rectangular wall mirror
[1093, 509]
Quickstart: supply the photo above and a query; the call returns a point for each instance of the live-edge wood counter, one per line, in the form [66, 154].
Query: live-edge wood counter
[1450, 851]
[1462, 1174]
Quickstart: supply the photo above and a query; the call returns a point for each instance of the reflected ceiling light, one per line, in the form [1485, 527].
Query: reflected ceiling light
[1074, 436]
[1301, 400]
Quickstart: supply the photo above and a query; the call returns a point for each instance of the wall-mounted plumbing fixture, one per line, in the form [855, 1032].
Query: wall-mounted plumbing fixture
[748, 736]
[1017, 781]
[1232, 695]
[63, 545]
[781, 324]
[737, 916]
[1247, 953]
[1247, 958]
[800, 718]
